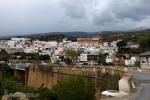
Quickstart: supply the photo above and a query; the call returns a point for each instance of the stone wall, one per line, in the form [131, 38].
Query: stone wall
[48, 76]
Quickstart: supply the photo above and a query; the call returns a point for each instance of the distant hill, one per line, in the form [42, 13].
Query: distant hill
[140, 30]
[58, 36]
[67, 34]
[80, 34]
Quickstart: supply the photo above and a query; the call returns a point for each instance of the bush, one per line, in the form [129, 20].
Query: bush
[75, 88]
[10, 84]
[137, 64]
[108, 82]
[46, 94]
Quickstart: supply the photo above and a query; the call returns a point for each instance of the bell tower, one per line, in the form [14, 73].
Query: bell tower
[98, 35]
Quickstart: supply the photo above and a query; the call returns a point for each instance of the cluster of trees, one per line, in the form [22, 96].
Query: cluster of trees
[145, 42]
[31, 56]
[142, 39]
[122, 44]
[122, 49]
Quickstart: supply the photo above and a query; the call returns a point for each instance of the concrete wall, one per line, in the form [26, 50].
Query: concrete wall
[39, 78]
[49, 76]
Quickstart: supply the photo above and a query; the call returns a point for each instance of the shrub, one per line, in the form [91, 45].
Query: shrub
[75, 88]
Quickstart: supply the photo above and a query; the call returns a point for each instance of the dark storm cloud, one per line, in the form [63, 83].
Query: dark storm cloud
[38, 16]
[133, 9]
[120, 11]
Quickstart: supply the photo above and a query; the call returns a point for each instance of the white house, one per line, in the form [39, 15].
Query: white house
[131, 61]
[20, 39]
[145, 59]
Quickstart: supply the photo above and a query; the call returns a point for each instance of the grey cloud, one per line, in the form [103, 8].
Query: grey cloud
[75, 11]
[120, 11]
[134, 9]
[38, 16]
[104, 18]
[75, 8]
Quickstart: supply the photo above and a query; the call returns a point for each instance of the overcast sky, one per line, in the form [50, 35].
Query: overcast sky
[38, 16]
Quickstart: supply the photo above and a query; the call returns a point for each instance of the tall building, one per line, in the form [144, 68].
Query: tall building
[90, 41]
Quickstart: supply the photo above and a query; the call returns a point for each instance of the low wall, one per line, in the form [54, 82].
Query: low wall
[48, 76]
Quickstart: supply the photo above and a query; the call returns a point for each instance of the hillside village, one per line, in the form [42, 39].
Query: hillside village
[112, 60]
[74, 49]
[83, 51]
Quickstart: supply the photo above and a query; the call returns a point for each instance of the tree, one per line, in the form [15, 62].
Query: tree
[4, 55]
[121, 46]
[68, 61]
[122, 43]
[137, 64]
[29, 56]
[44, 57]
[75, 88]
[6, 70]
[145, 42]
[72, 54]
[102, 58]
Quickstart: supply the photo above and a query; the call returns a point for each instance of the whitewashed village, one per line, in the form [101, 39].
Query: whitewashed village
[88, 50]
[119, 67]
[74, 49]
